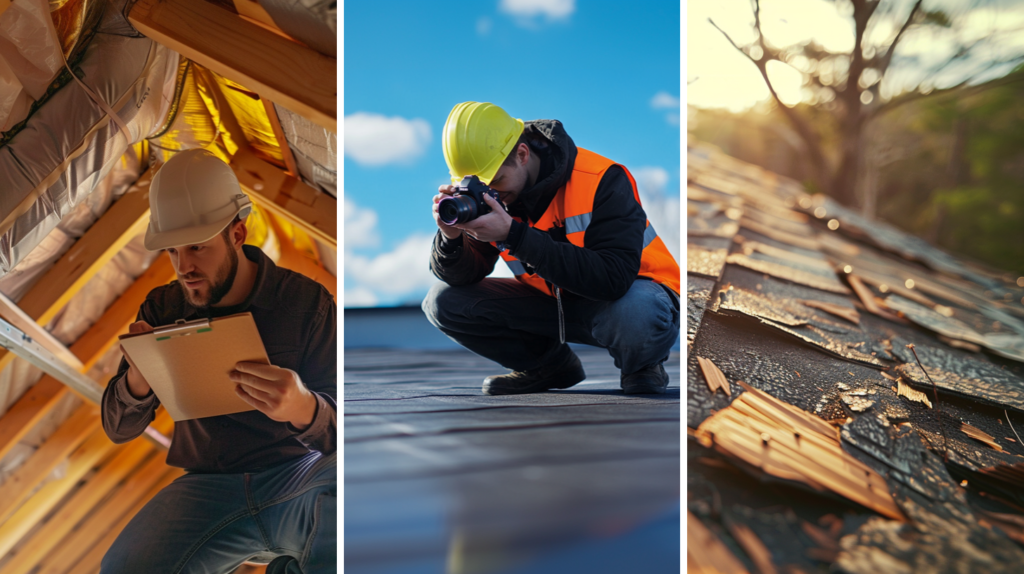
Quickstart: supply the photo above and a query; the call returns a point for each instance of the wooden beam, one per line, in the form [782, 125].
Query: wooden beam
[295, 76]
[312, 211]
[90, 562]
[40, 399]
[72, 433]
[95, 342]
[142, 484]
[125, 219]
[74, 510]
[282, 141]
[33, 405]
[292, 258]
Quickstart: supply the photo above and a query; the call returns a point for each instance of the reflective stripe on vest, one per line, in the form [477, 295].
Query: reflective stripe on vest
[577, 223]
[649, 234]
[516, 267]
[572, 208]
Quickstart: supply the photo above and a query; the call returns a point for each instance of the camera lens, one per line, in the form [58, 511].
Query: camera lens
[457, 209]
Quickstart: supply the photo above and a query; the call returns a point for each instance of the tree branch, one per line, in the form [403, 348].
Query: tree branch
[962, 87]
[887, 57]
[802, 127]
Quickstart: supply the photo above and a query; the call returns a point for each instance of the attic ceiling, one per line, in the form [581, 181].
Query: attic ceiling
[854, 394]
[253, 82]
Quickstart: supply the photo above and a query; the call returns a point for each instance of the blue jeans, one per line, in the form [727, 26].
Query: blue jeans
[211, 523]
[516, 326]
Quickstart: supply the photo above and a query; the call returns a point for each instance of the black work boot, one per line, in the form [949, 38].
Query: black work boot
[649, 380]
[561, 375]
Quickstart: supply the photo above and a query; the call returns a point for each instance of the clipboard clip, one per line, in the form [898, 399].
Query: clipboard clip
[181, 328]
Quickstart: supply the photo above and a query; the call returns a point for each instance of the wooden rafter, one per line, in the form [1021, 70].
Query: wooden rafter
[142, 483]
[282, 141]
[72, 433]
[42, 502]
[295, 76]
[292, 259]
[23, 415]
[126, 218]
[314, 212]
[42, 397]
[92, 345]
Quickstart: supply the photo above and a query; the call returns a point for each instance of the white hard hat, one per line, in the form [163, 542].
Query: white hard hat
[193, 197]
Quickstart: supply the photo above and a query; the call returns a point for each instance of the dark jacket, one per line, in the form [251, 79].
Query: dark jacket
[603, 269]
[297, 320]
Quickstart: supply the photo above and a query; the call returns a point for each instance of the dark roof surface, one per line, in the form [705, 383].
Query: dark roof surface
[824, 310]
[439, 477]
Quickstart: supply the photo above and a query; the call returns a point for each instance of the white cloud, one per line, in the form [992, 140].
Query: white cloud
[662, 210]
[376, 140]
[360, 226]
[524, 10]
[398, 272]
[664, 100]
[359, 297]
[483, 26]
[672, 118]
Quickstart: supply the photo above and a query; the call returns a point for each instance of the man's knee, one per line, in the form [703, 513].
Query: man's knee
[645, 314]
[435, 303]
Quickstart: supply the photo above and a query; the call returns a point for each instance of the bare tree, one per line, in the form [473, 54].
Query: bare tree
[846, 89]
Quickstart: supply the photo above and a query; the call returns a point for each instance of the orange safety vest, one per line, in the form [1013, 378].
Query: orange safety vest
[572, 207]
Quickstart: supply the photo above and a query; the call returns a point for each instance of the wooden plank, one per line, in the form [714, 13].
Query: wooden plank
[128, 457]
[40, 399]
[282, 141]
[72, 433]
[91, 453]
[293, 75]
[125, 219]
[292, 259]
[33, 405]
[144, 483]
[90, 562]
[92, 345]
[312, 211]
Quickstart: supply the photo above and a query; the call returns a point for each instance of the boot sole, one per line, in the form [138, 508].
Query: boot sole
[539, 387]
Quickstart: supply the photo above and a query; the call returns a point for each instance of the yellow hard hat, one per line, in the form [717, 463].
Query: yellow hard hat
[477, 138]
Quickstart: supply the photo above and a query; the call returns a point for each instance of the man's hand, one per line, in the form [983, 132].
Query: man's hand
[137, 385]
[491, 227]
[447, 230]
[275, 392]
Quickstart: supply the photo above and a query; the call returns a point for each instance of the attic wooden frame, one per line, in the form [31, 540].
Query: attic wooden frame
[299, 78]
[128, 476]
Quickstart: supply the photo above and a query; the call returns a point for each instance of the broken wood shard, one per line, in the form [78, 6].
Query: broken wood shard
[978, 434]
[801, 448]
[714, 376]
[847, 313]
[912, 394]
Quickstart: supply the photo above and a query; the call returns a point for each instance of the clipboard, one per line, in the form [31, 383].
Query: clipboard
[187, 364]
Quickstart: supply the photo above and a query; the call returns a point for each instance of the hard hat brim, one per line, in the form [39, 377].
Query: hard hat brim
[156, 241]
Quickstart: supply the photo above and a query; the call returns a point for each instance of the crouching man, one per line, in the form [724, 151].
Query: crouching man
[589, 268]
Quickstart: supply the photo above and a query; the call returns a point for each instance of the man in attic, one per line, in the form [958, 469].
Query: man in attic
[260, 483]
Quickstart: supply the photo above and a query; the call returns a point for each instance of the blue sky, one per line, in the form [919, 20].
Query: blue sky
[610, 71]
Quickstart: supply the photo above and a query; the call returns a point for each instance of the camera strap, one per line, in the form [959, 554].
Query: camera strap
[561, 315]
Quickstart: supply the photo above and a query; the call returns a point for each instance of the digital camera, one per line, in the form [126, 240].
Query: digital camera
[467, 203]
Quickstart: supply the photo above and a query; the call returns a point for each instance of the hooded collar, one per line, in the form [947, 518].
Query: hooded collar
[558, 155]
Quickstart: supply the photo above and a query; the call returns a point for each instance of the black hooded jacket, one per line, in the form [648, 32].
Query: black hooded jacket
[603, 269]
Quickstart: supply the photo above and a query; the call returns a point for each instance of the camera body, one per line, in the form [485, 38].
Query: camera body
[467, 203]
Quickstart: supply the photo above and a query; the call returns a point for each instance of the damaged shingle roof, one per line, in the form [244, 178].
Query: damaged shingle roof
[910, 360]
